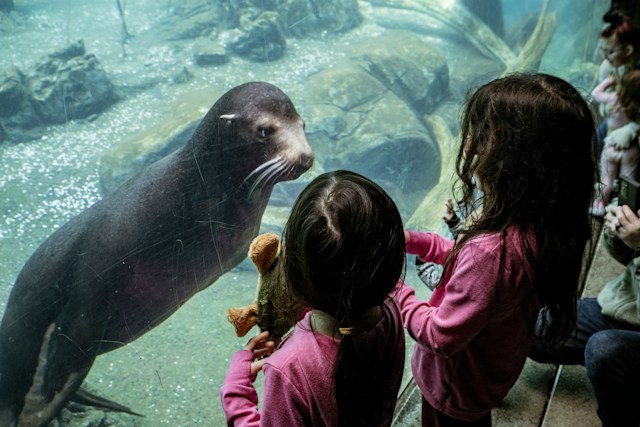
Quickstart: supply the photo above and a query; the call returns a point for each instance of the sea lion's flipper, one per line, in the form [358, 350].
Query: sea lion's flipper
[87, 398]
[45, 400]
[41, 404]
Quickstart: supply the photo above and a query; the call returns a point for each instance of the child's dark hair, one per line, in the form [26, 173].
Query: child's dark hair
[532, 136]
[344, 252]
[624, 30]
[629, 94]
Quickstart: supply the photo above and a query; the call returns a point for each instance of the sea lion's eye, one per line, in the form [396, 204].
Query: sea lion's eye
[264, 132]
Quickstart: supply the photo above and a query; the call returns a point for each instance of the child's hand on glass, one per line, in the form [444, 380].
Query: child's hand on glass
[450, 216]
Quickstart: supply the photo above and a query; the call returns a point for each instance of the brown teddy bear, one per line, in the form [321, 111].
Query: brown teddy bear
[272, 309]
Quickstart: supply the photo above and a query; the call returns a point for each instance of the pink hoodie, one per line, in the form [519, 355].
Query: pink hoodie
[298, 377]
[473, 336]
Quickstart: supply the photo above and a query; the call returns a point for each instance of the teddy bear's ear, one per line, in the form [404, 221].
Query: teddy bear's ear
[263, 251]
[243, 318]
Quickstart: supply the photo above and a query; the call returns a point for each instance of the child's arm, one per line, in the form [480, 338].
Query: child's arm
[461, 308]
[601, 93]
[428, 246]
[239, 397]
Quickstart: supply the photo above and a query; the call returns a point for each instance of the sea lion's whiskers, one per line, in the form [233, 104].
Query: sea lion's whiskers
[266, 174]
[262, 166]
[275, 176]
[272, 164]
[272, 178]
[269, 173]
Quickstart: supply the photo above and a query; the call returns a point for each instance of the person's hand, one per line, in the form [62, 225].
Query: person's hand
[261, 347]
[622, 222]
[407, 237]
[450, 214]
[450, 217]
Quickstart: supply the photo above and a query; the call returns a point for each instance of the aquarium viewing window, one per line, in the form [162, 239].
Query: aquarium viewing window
[93, 94]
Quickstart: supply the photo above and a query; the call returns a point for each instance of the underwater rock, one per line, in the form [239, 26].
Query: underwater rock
[410, 68]
[305, 17]
[454, 15]
[12, 92]
[65, 85]
[69, 84]
[253, 29]
[17, 115]
[259, 39]
[208, 53]
[357, 123]
[71, 51]
[190, 19]
[372, 114]
[301, 18]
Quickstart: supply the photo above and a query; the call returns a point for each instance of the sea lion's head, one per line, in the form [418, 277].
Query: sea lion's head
[262, 133]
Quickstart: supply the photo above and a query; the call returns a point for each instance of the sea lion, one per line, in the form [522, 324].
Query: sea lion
[127, 263]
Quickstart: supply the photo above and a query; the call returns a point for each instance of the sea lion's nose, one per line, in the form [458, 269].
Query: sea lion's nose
[306, 159]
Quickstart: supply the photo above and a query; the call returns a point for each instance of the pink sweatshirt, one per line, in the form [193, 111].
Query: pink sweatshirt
[298, 388]
[471, 337]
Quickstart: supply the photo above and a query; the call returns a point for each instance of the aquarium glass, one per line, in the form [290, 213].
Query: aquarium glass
[94, 92]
